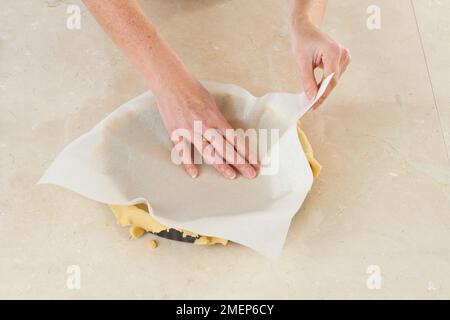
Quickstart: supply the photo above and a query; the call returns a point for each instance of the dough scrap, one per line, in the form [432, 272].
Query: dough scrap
[153, 244]
[138, 217]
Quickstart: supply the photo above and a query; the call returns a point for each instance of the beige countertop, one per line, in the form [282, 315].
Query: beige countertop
[382, 199]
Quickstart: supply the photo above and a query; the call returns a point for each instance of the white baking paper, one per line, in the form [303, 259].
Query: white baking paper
[125, 159]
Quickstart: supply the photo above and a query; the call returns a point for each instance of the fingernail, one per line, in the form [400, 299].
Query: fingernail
[249, 172]
[193, 172]
[310, 94]
[230, 173]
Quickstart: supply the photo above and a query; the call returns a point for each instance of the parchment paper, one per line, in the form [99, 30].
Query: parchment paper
[125, 159]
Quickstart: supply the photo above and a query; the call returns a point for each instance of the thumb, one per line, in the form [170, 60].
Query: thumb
[308, 80]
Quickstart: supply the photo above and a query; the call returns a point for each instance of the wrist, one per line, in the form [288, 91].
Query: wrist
[300, 21]
[165, 70]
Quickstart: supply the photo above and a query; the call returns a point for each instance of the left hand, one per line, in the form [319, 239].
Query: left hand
[313, 49]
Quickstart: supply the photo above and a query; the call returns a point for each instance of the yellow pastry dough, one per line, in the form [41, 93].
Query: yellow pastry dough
[153, 244]
[137, 216]
[313, 163]
[139, 219]
[136, 232]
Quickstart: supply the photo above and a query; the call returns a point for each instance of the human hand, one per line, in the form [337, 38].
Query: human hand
[180, 97]
[313, 49]
[185, 101]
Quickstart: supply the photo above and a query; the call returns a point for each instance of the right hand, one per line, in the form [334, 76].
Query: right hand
[184, 101]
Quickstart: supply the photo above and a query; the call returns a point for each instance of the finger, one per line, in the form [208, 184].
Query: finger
[191, 169]
[345, 60]
[189, 165]
[226, 170]
[212, 158]
[331, 64]
[331, 85]
[227, 151]
[184, 155]
[237, 138]
[308, 79]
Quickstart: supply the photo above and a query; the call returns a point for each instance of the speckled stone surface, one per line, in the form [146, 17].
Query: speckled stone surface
[383, 197]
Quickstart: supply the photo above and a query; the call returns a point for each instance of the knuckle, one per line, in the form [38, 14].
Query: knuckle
[346, 52]
[335, 49]
[346, 55]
